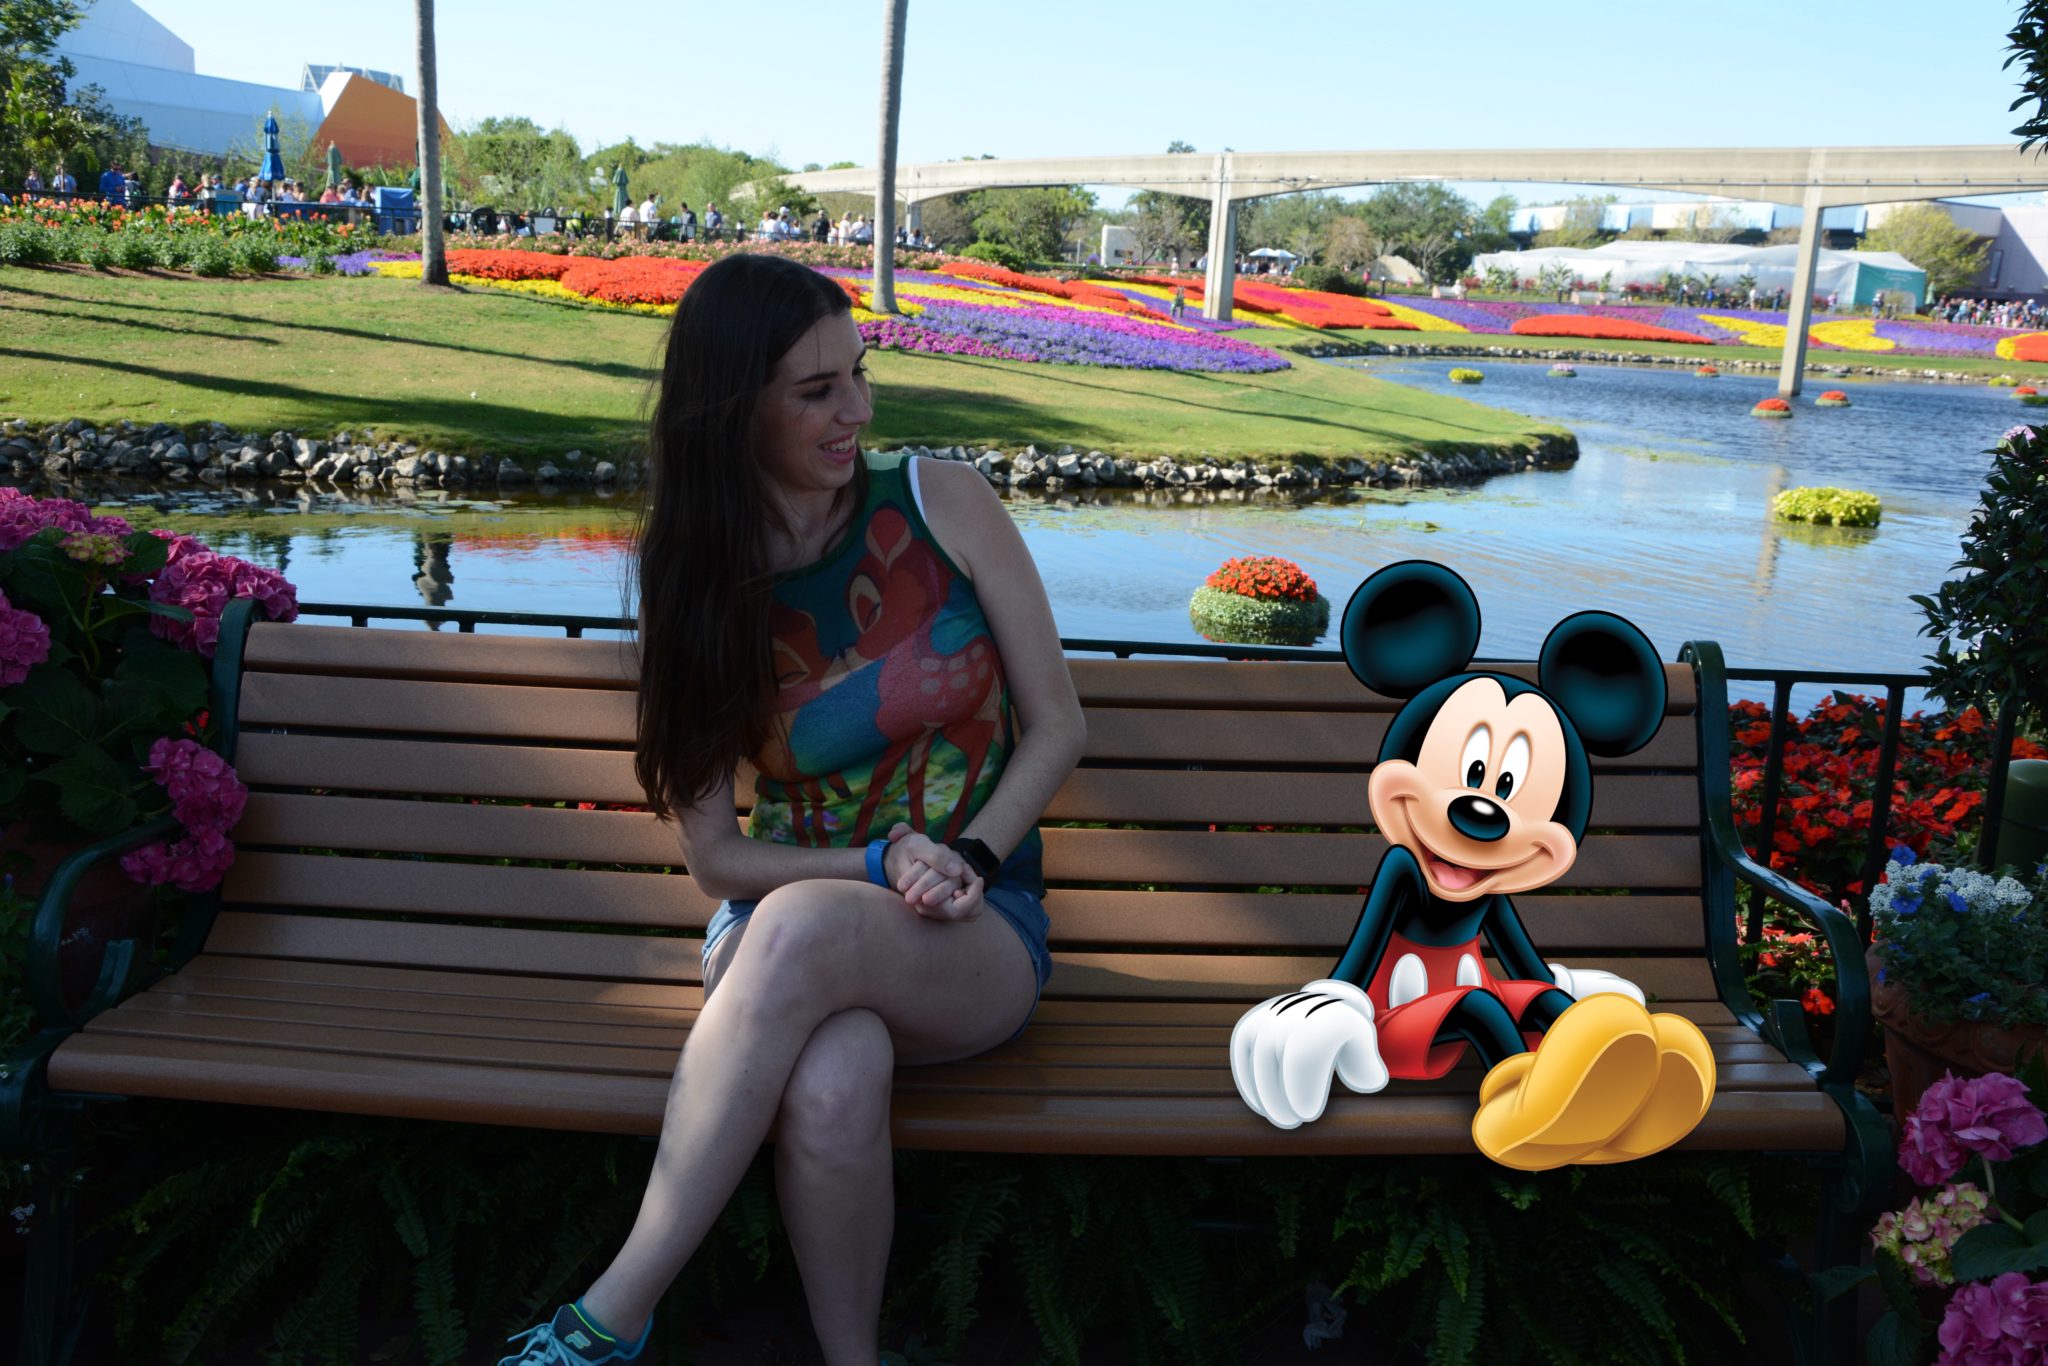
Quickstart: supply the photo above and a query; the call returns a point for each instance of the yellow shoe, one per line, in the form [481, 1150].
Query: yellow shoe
[1677, 1103]
[1593, 1072]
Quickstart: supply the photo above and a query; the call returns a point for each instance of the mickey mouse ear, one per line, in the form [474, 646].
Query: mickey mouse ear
[1606, 676]
[1408, 626]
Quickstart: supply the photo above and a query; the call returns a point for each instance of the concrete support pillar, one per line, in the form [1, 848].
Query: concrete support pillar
[914, 216]
[1220, 284]
[1793, 367]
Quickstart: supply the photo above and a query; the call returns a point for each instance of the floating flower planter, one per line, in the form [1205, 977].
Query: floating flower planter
[1461, 375]
[1828, 506]
[1563, 372]
[1707, 372]
[1260, 600]
[1833, 398]
[1772, 407]
[2030, 396]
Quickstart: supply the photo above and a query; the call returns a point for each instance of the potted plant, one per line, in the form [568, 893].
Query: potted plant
[1833, 398]
[1772, 407]
[1260, 600]
[104, 634]
[1962, 1262]
[1466, 375]
[1958, 970]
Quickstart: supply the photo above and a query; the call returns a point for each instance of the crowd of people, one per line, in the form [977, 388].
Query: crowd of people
[2015, 313]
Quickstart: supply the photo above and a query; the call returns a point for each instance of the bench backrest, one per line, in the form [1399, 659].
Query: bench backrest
[344, 730]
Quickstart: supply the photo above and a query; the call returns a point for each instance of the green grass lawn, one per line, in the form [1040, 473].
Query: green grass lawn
[481, 370]
[1289, 340]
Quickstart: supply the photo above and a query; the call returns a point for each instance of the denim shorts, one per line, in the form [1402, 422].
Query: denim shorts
[1024, 913]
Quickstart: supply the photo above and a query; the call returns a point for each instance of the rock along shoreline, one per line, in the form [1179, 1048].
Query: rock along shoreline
[79, 451]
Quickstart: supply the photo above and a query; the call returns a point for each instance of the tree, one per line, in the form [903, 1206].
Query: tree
[1707, 223]
[1352, 242]
[1924, 234]
[882, 298]
[433, 257]
[949, 220]
[1582, 223]
[1036, 222]
[2028, 42]
[512, 162]
[1294, 221]
[32, 81]
[1166, 224]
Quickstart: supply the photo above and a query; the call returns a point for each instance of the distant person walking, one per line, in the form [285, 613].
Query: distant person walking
[113, 185]
[1180, 302]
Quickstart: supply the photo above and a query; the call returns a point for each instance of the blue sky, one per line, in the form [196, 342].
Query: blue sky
[798, 78]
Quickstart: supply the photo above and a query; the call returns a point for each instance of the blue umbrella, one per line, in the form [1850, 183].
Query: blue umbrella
[273, 160]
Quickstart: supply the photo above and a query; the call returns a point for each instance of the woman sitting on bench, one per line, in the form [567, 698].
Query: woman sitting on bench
[871, 634]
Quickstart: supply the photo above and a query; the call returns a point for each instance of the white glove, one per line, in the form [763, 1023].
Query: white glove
[1283, 1050]
[1579, 983]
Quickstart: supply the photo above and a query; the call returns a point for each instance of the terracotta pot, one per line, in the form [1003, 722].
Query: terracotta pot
[1918, 1050]
[107, 905]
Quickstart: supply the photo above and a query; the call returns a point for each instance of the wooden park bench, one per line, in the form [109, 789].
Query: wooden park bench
[366, 980]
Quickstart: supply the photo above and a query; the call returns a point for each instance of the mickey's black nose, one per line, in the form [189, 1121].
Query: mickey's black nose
[1478, 818]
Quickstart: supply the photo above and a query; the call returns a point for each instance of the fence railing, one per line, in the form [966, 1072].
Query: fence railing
[1782, 681]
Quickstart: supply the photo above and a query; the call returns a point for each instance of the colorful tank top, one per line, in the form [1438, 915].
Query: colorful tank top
[891, 703]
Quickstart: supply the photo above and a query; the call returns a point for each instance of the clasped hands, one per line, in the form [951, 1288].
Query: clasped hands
[935, 881]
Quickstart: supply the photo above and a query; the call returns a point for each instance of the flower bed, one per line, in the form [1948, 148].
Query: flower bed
[1262, 600]
[1465, 375]
[159, 237]
[1772, 407]
[1838, 507]
[1607, 329]
[1833, 398]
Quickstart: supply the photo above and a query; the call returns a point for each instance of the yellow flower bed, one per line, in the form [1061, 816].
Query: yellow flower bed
[1853, 334]
[1424, 322]
[1753, 333]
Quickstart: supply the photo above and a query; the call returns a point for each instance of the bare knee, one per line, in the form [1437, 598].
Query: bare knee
[798, 938]
[836, 1103]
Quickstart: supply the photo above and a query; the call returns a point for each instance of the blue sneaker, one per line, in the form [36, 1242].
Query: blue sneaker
[573, 1339]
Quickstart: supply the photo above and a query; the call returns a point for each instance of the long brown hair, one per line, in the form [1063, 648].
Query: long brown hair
[707, 689]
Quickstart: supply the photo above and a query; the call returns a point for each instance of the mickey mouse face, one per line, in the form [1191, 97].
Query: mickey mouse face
[1476, 805]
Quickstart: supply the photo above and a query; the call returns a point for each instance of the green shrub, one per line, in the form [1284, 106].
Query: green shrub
[1258, 621]
[210, 256]
[255, 255]
[132, 250]
[1841, 507]
[1462, 375]
[1328, 279]
[996, 254]
[97, 253]
[25, 244]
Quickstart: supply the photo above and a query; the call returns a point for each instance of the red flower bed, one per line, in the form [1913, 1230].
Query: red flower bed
[2025, 390]
[631, 279]
[1078, 291]
[510, 265]
[1835, 394]
[1829, 778]
[2034, 348]
[1609, 329]
[1317, 308]
[1774, 405]
[1263, 576]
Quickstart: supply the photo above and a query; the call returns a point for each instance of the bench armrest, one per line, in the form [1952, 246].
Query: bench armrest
[117, 961]
[1726, 860]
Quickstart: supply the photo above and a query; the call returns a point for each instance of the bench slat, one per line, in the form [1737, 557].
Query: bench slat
[968, 1120]
[1561, 924]
[1266, 738]
[379, 651]
[1160, 796]
[1157, 856]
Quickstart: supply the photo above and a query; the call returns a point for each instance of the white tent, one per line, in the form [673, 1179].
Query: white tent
[1854, 275]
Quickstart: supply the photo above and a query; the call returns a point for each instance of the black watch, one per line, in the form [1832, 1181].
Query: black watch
[980, 855]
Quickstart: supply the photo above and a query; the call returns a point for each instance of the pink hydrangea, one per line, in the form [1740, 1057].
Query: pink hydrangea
[205, 793]
[24, 643]
[1988, 1115]
[195, 863]
[21, 517]
[205, 583]
[1923, 1234]
[2004, 1323]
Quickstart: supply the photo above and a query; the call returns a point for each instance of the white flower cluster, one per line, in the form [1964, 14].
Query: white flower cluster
[1930, 882]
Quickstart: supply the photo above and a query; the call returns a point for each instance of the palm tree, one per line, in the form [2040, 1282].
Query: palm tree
[433, 258]
[882, 298]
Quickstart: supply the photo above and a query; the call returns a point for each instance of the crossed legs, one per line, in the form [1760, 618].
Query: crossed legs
[833, 984]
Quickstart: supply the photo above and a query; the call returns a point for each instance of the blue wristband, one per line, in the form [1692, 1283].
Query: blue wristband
[876, 873]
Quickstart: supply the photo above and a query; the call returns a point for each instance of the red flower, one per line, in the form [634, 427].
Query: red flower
[1817, 1002]
[1582, 325]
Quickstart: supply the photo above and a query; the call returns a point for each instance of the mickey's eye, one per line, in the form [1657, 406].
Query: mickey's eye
[1473, 761]
[1514, 767]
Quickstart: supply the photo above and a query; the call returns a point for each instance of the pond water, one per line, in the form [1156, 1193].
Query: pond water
[1665, 519]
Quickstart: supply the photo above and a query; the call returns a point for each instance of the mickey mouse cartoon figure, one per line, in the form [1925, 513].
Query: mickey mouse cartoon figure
[1482, 790]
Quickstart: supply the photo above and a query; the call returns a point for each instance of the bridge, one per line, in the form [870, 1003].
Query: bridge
[1814, 178]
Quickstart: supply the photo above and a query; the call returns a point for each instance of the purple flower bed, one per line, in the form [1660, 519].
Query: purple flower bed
[905, 336]
[1061, 335]
[1945, 339]
[349, 263]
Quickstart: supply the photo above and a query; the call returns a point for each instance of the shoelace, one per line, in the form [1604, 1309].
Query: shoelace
[542, 1348]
